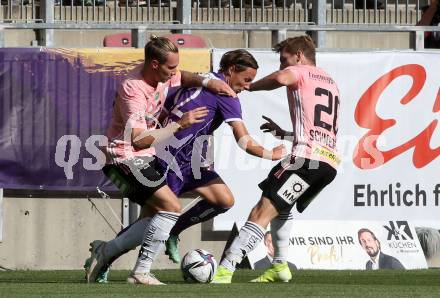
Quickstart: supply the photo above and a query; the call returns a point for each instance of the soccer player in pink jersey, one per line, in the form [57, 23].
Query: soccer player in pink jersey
[133, 137]
[313, 99]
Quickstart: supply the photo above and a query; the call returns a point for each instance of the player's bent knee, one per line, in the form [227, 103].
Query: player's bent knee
[227, 203]
[255, 214]
[168, 206]
[174, 207]
[259, 212]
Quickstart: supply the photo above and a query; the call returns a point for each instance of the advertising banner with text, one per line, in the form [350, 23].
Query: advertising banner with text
[364, 245]
[55, 108]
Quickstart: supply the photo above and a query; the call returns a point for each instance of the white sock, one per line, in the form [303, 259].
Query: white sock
[127, 239]
[248, 238]
[280, 229]
[154, 240]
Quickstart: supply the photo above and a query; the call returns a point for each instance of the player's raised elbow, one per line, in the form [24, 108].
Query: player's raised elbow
[226, 201]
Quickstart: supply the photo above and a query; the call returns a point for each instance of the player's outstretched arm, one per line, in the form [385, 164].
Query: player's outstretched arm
[273, 128]
[275, 80]
[248, 144]
[143, 138]
[190, 79]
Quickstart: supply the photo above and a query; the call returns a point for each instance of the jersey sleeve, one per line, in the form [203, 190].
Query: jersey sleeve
[132, 104]
[229, 108]
[298, 73]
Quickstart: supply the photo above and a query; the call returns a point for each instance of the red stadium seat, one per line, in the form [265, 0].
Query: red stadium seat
[187, 40]
[181, 40]
[118, 40]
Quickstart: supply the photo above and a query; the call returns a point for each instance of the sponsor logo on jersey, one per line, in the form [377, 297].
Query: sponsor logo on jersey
[323, 152]
[292, 189]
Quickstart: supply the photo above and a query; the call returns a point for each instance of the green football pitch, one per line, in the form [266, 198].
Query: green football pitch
[384, 283]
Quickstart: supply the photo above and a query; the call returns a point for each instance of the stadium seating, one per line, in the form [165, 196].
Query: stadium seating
[187, 40]
[181, 40]
[118, 40]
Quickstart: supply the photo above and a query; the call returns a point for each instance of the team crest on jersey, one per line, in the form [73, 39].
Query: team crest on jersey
[292, 189]
[156, 96]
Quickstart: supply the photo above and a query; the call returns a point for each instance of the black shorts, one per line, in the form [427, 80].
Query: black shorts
[297, 182]
[137, 187]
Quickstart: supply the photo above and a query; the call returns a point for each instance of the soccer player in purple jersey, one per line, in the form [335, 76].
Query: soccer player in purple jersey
[188, 168]
[238, 68]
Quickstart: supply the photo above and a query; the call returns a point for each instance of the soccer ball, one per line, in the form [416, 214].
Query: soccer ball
[198, 265]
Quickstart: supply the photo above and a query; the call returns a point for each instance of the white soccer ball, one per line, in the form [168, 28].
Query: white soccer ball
[198, 265]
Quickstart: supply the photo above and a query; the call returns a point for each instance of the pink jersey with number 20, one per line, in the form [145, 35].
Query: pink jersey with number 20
[314, 106]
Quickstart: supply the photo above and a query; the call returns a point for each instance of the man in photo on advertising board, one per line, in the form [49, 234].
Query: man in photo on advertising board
[378, 260]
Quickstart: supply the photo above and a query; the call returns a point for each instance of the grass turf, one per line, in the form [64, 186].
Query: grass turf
[383, 283]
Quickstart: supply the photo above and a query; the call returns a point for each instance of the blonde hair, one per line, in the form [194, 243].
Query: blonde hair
[158, 48]
[303, 43]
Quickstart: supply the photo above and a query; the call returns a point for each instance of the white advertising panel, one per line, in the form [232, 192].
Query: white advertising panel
[337, 245]
[388, 139]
